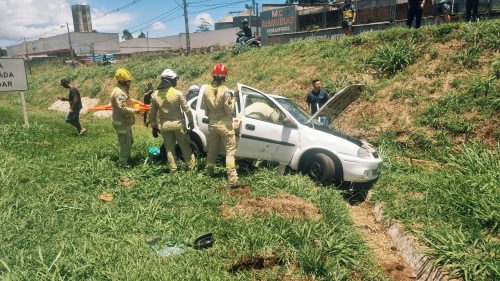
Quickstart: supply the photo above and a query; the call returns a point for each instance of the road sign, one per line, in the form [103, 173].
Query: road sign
[13, 75]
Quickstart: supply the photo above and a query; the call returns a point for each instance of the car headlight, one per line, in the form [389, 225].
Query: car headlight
[363, 153]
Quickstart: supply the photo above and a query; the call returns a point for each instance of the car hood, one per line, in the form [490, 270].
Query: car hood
[336, 104]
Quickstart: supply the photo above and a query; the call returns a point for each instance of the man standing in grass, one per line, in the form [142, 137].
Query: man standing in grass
[218, 103]
[442, 8]
[316, 98]
[167, 102]
[123, 114]
[75, 105]
[148, 91]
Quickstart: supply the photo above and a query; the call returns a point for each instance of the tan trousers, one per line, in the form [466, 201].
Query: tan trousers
[181, 138]
[125, 140]
[217, 134]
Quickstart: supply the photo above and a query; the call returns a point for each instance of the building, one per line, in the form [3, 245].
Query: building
[82, 22]
[83, 44]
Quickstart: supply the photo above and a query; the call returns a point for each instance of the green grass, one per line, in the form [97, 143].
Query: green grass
[53, 226]
[453, 209]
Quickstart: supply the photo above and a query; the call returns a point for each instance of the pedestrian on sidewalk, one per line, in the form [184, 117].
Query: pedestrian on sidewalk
[471, 7]
[415, 11]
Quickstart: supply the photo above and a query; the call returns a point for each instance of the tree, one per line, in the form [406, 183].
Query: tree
[127, 35]
[142, 35]
[3, 52]
[204, 25]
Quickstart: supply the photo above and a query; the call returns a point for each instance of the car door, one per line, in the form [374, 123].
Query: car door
[263, 138]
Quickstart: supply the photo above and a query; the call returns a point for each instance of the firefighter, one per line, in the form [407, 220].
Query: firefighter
[218, 103]
[123, 114]
[167, 102]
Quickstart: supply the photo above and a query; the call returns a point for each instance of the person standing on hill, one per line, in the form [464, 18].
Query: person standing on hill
[219, 105]
[169, 103]
[148, 91]
[123, 114]
[316, 98]
[442, 8]
[415, 10]
[75, 105]
[471, 6]
[348, 16]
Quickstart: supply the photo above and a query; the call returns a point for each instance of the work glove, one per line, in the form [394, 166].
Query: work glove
[190, 126]
[155, 132]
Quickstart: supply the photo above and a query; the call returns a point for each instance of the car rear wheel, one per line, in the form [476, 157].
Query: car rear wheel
[321, 169]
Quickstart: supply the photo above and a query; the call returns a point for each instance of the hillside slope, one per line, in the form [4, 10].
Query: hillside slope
[445, 93]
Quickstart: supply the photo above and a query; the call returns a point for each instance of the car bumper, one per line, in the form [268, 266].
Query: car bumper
[361, 170]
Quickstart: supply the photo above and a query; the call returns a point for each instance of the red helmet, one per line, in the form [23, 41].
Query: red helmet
[219, 70]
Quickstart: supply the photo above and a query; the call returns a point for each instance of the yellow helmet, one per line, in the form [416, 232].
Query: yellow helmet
[123, 74]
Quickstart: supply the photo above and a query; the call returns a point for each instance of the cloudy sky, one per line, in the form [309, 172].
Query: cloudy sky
[43, 18]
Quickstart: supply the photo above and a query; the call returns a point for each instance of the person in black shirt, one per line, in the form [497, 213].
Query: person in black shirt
[415, 10]
[148, 91]
[244, 33]
[316, 98]
[75, 105]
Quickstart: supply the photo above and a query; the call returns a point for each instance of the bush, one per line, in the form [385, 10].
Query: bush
[391, 58]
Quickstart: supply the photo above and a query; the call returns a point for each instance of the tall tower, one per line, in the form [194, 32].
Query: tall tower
[81, 18]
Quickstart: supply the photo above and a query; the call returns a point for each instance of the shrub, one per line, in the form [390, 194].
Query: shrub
[391, 58]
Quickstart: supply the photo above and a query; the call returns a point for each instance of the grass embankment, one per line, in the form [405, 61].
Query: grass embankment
[53, 225]
[432, 94]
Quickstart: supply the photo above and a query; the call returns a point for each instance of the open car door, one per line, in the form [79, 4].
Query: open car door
[265, 133]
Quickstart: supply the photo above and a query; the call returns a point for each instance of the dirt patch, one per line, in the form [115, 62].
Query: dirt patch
[256, 262]
[63, 106]
[386, 253]
[238, 190]
[284, 205]
[126, 182]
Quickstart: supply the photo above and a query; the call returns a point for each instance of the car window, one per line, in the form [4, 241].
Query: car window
[258, 107]
[193, 104]
[296, 111]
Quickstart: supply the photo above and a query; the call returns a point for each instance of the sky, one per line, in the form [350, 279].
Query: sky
[32, 19]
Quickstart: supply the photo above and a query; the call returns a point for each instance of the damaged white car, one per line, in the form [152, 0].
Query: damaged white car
[293, 137]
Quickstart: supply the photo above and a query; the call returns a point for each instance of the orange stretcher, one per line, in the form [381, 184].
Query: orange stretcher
[135, 103]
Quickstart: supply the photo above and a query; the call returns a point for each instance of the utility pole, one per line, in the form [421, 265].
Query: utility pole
[71, 47]
[93, 52]
[147, 39]
[188, 43]
[27, 55]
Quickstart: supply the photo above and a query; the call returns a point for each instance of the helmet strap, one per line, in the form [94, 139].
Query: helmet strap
[218, 80]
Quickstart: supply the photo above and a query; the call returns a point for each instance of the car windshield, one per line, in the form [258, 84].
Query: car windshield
[297, 112]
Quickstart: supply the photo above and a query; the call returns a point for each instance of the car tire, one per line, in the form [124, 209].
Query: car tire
[321, 169]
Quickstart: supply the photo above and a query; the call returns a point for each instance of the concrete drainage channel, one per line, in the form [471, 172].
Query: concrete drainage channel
[396, 251]
[411, 252]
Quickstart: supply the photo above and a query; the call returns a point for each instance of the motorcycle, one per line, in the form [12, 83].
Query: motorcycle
[251, 42]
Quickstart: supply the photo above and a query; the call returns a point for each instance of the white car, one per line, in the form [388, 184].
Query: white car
[296, 139]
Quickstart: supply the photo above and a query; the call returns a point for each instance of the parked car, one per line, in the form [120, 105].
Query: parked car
[296, 138]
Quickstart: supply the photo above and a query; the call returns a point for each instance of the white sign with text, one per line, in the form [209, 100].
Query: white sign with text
[13, 75]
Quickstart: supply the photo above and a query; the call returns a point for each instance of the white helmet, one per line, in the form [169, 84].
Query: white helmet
[168, 74]
[193, 87]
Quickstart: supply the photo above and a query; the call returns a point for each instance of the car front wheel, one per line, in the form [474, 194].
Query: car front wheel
[321, 169]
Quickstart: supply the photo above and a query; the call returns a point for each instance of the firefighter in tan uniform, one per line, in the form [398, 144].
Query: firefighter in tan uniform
[123, 114]
[167, 102]
[218, 103]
